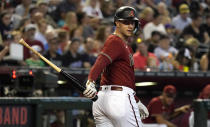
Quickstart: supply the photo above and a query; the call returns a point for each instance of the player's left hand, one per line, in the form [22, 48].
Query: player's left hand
[144, 113]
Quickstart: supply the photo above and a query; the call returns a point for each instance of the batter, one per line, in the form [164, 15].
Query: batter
[117, 104]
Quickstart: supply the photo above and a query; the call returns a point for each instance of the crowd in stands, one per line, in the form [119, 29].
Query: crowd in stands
[174, 35]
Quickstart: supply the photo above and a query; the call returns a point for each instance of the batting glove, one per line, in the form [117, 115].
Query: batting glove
[90, 91]
[144, 113]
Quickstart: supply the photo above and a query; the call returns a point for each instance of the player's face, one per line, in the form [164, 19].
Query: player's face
[126, 27]
[168, 99]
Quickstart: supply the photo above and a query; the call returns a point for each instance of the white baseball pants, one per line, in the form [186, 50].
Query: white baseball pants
[116, 108]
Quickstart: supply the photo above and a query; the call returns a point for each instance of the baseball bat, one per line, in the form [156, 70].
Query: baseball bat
[69, 77]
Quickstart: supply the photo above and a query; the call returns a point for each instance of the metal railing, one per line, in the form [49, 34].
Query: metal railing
[27, 112]
[201, 108]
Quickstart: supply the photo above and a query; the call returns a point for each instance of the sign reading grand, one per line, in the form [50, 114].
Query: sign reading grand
[16, 116]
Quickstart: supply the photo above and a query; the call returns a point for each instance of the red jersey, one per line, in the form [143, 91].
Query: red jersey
[121, 69]
[156, 107]
[26, 51]
[140, 62]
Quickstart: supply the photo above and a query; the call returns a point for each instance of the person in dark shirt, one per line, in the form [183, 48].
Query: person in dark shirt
[194, 28]
[64, 7]
[88, 53]
[52, 54]
[206, 26]
[72, 58]
[153, 42]
[5, 24]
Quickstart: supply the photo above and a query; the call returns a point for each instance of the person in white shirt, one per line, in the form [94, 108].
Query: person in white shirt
[165, 53]
[93, 9]
[155, 25]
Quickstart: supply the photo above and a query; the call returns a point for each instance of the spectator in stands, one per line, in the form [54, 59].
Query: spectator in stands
[35, 15]
[107, 9]
[165, 53]
[181, 40]
[192, 44]
[23, 8]
[89, 53]
[170, 29]
[93, 10]
[84, 23]
[204, 62]
[205, 27]
[28, 36]
[10, 8]
[77, 33]
[162, 108]
[143, 59]
[40, 33]
[154, 3]
[194, 29]
[5, 24]
[50, 35]
[3, 51]
[182, 19]
[196, 7]
[43, 8]
[153, 42]
[183, 60]
[162, 10]
[72, 58]
[119, 3]
[63, 7]
[155, 25]
[146, 16]
[16, 35]
[63, 39]
[23, 23]
[51, 54]
[101, 34]
[60, 119]
[206, 5]
[34, 60]
[70, 22]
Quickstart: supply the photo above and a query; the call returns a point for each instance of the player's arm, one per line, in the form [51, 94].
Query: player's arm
[179, 111]
[106, 57]
[101, 63]
[95, 71]
[155, 108]
[4, 52]
[161, 120]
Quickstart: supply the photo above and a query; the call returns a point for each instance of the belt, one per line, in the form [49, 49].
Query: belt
[116, 88]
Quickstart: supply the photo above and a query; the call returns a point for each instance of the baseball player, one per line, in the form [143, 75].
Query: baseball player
[117, 105]
[162, 108]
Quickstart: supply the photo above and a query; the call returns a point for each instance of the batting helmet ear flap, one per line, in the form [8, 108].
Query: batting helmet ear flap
[137, 25]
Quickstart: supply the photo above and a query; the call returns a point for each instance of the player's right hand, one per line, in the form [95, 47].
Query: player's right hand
[90, 91]
[144, 113]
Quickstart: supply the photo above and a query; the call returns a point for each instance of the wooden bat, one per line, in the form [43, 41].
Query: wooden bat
[69, 77]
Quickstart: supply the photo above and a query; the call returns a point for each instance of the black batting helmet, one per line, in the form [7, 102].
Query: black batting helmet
[127, 13]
